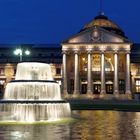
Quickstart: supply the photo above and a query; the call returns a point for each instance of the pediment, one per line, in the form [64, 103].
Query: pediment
[96, 35]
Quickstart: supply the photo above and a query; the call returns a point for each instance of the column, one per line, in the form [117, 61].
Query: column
[89, 74]
[65, 92]
[116, 90]
[103, 90]
[128, 91]
[76, 73]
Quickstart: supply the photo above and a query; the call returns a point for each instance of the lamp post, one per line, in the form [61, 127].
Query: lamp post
[20, 52]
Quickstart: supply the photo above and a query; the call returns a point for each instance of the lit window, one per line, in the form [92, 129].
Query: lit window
[138, 86]
[1, 71]
[137, 82]
[96, 63]
[2, 82]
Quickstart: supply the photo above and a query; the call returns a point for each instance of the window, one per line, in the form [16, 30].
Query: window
[138, 86]
[2, 55]
[1, 71]
[39, 54]
[138, 71]
[58, 71]
[96, 63]
[2, 82]
[15, 71]
[52, 55]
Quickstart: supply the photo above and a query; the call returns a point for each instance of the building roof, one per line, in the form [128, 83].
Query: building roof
[103, 22]
[48, 53]
[45, 52]
[135, 53]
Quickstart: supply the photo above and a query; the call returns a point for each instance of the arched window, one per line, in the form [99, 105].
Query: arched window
[96, 63]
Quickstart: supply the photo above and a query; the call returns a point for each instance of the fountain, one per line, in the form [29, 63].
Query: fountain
[33, 95]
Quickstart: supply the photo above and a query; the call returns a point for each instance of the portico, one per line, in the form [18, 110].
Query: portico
[96, 61]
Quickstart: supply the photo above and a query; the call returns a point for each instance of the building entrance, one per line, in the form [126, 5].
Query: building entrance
[97, 88]
[109, 88]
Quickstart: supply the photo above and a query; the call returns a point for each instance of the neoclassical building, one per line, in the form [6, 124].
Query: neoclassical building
[96, 61]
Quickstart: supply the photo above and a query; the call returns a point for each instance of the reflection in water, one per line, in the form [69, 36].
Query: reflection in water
[92, 125]
[109, 125]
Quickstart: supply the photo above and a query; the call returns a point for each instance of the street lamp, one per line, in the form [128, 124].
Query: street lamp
[20, 52]
[27, 52]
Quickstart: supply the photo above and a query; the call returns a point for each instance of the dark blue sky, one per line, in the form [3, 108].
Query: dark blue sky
[51, 21]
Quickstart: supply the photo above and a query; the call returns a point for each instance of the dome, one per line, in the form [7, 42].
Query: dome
[103, 22]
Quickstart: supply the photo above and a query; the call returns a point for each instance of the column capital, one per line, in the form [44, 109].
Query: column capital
[89, 51]
[64, 51]
[127, 51]
[102, 51]
[115, 51]
[76, 51]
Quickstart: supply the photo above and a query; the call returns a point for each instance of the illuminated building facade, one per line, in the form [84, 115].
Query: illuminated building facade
[96, 61]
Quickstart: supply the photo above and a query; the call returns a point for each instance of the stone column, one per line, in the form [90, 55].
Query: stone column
[128, 90]
[89, 75]
[76, 74]
[116, 90]
[65, 92]
[103, 88]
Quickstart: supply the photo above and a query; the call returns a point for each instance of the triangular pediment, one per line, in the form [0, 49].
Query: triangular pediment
[96, 35]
